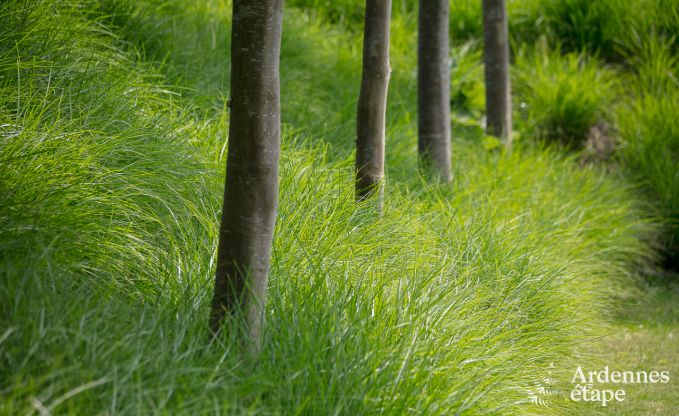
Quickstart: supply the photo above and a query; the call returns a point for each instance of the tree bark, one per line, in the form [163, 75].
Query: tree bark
[251, 186]
[372, 101]
[496, 57]
[433, 89]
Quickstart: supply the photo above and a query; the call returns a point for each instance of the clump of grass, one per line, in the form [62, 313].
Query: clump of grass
[342, 11]
[562, 96]
[466, 21]
[650, 135]
[665, 21]
[604, 28]
[597, 27]
[95, 158]
[466, 78]
[653, 65]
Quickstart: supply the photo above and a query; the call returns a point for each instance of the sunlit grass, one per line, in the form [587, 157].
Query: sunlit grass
[455, 300]
[561, 97]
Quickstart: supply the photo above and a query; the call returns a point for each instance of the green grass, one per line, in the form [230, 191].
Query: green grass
[561, 97]
[642, 337]
[650, 148]
[649, 133]
[467, 90]
[605, 28]
[457, 300]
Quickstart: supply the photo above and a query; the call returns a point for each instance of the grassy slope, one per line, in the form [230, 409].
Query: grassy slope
[456, 300]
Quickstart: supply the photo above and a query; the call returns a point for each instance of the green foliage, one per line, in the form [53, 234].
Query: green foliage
[653, 65]
[341, 11]
[467, 93]
[348, 13]
[650, 135]
[113, 127]
[565, 96]
[466, 21]
[561, 97]
[577, 25]
[95, 159]
[601, 27]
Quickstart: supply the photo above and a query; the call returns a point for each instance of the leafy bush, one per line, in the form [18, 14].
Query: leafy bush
[562, 97]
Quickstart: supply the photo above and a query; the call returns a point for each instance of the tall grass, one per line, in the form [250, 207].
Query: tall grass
[348, 13]
[597, 27]
[455, 301]
[562, 97]
[650, 133]
[467, 90]
[604, 28]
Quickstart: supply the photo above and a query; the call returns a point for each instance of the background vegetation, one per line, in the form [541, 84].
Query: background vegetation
[459, 300]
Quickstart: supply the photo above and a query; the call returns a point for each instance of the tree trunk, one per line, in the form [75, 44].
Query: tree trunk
[433, 89]
[372, 101]
[251, 188]
[496, 57]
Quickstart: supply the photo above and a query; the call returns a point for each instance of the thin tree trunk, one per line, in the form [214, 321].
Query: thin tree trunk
[433, 89]
[372, 100]
[251, 188]
[496, 57]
